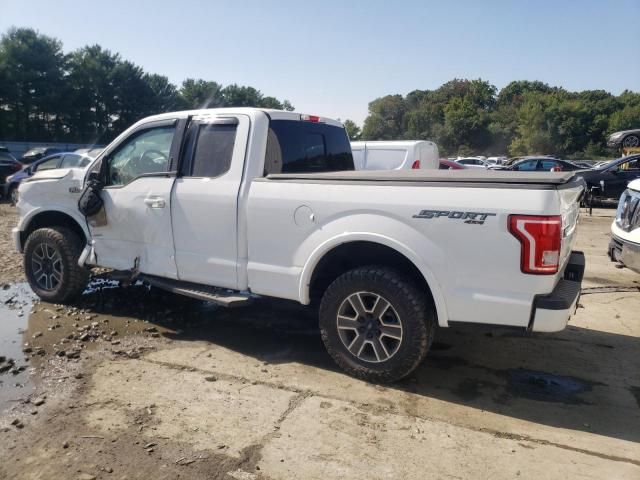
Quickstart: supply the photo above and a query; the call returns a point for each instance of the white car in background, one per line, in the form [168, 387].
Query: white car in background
[473, 162]
[624, 246]
[496, 160]
[395, 155]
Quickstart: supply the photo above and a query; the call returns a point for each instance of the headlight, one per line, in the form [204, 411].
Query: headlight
[616, 135]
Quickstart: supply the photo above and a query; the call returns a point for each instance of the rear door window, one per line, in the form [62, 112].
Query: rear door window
[210, 149]
[527, 166]
[547, 165]
[306, 147]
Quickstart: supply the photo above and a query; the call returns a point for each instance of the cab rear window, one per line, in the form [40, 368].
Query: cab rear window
[305, 147]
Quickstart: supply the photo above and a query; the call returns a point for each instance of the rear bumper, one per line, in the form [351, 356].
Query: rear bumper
[551, 312]
[625, 252]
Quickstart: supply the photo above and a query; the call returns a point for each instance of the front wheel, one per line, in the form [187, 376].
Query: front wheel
[376, 324]
[51, 264]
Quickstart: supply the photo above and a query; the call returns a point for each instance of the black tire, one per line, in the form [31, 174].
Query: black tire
[412, 310]
[67, 245]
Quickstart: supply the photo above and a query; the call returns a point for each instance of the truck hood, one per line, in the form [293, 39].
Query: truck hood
[60, 188]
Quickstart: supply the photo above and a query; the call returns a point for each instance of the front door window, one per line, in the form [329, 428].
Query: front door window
[146, 152]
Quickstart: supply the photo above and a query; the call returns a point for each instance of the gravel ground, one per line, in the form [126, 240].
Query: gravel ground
[137, 383]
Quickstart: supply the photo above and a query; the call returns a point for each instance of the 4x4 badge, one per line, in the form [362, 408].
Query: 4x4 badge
[472, 218]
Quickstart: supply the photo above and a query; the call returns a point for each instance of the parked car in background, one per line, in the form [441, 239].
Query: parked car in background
[59, 160]
[450, 165]
[542, 164]
[624, 246]
[514, 160]
[612, 178]
[625, 139]
[583, 163]
[37, 153]
[601, 163]
[472, 162]
[8, 166]
[395, 155]
[496, 160]
[90, 152]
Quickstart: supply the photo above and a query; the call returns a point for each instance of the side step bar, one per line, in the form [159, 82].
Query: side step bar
[220, 296]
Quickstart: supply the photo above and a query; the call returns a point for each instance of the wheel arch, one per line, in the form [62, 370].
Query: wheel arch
[51, 218]
[344, 253]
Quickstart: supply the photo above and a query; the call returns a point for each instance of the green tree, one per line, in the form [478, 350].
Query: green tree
[386, 119]
[201, 94]
[31, 85]
[352, 129]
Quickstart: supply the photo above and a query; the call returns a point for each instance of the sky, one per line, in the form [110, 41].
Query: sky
[332, 57]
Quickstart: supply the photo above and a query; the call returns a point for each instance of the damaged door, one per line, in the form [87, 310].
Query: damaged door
[134, 230]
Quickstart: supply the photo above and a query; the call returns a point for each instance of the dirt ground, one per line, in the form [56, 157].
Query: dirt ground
[135, 383]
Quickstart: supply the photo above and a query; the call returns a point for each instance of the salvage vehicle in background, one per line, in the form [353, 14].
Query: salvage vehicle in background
[450, 165]
[611, 179]
[224, 204]
[395, 155]
[625, 139]
[8, 166]
[37, 153]
[473, 162]
[60, 160]
[625, 229]
[542, 164]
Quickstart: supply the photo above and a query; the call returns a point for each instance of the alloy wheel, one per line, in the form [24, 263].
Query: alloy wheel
[369, 327]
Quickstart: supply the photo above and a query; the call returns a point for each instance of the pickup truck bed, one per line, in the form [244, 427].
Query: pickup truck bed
[491, 178]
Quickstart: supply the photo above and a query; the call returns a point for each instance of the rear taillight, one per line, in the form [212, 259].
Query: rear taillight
[540, 238]
[416, 165]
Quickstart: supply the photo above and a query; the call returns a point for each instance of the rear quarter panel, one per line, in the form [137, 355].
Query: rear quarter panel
[472, 270]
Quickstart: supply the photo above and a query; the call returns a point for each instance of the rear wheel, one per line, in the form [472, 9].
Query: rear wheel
[51, 264]
[376, 324]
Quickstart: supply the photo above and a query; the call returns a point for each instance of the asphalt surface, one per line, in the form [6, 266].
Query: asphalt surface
[137, 383]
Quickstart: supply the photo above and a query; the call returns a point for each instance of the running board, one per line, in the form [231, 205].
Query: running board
[220, 296]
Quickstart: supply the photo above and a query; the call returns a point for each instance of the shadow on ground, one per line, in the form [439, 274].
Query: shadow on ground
[576, 379]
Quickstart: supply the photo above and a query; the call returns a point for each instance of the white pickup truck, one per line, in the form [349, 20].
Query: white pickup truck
[224, 204]
[624, 246]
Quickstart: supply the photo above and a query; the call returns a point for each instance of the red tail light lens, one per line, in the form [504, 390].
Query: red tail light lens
[416, 165]
[540, 238]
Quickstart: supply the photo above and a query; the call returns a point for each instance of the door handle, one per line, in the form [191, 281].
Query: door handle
[154, 202]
